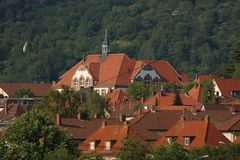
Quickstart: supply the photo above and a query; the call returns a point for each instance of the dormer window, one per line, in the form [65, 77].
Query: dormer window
[187, 141]
[107, 145]
[92, 145]
[171, 139]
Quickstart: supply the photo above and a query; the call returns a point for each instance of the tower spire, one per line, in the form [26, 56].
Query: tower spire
[105, 46]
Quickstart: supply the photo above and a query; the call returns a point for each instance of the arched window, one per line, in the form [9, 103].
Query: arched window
[139, 79]
[75, 81]
[147, 80]
[103, 92]
[156, 80]
[81, 81]
[88, 82]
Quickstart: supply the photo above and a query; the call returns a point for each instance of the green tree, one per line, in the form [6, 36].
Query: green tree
[24, 93]
[137, 91]
[177, 99]
[188, 86]
[133, 148]
[94, 105]
[208, 95]
[33, 135]
[172, 152]
[67, 102]
[89, 156]
[60, 153]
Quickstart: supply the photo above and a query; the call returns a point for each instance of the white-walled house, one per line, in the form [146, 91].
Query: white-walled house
[227, 88]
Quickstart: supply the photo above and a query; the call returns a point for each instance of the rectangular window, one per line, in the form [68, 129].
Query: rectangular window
[92, 145]
[186, 141]
[107, 145]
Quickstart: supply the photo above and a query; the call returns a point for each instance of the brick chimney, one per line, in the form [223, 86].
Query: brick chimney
[58, 119]
[6, 107]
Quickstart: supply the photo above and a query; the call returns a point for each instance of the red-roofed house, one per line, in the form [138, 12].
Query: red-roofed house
[116, 71]
[107, 140]
[227, 88]
[166, 100]
[192, 134]
[8, 90]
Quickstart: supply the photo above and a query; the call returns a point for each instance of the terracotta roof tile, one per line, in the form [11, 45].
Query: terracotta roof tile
[167, 99]
[200, 133]
[227, 85]
[113, 133]
[38, 89]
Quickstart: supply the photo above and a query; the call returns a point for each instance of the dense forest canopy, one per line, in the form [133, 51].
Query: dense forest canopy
[41, 39]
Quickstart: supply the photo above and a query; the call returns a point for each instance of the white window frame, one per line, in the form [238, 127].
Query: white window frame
[81, 81]
[92, 145]
[75, 82]
[108, 145]
[88, 81]
[186, 141]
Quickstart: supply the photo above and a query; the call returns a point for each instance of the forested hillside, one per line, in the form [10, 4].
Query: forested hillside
[41, 39]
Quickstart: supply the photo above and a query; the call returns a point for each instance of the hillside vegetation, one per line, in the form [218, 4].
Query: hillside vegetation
[41, 39]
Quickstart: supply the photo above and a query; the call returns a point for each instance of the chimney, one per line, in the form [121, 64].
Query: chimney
[104, 123]
[122, 118]
[125, 123]
[6, 107]
[207, 118]
[58, 119]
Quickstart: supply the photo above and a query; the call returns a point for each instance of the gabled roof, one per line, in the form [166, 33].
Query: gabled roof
[226, 86]
[118, 70]
[38, 89]
[200, 133]
[115, 97]
[115, 70]
[167, 99]
[232, 124]
[66, 78]
[163, 68]
[82, 129]
[113, 133]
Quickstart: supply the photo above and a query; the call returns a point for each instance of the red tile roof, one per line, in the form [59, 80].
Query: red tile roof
[227, 85]
[232, 124]
[113, 133]
[38, 89]
[200, 133]
[115, 98]
[118, 70]
[82, 129]
[167, 99]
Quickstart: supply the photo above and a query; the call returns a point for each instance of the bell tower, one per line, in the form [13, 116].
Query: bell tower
[105, 47]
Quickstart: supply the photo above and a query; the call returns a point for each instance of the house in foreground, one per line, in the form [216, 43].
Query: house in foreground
[192, 134]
